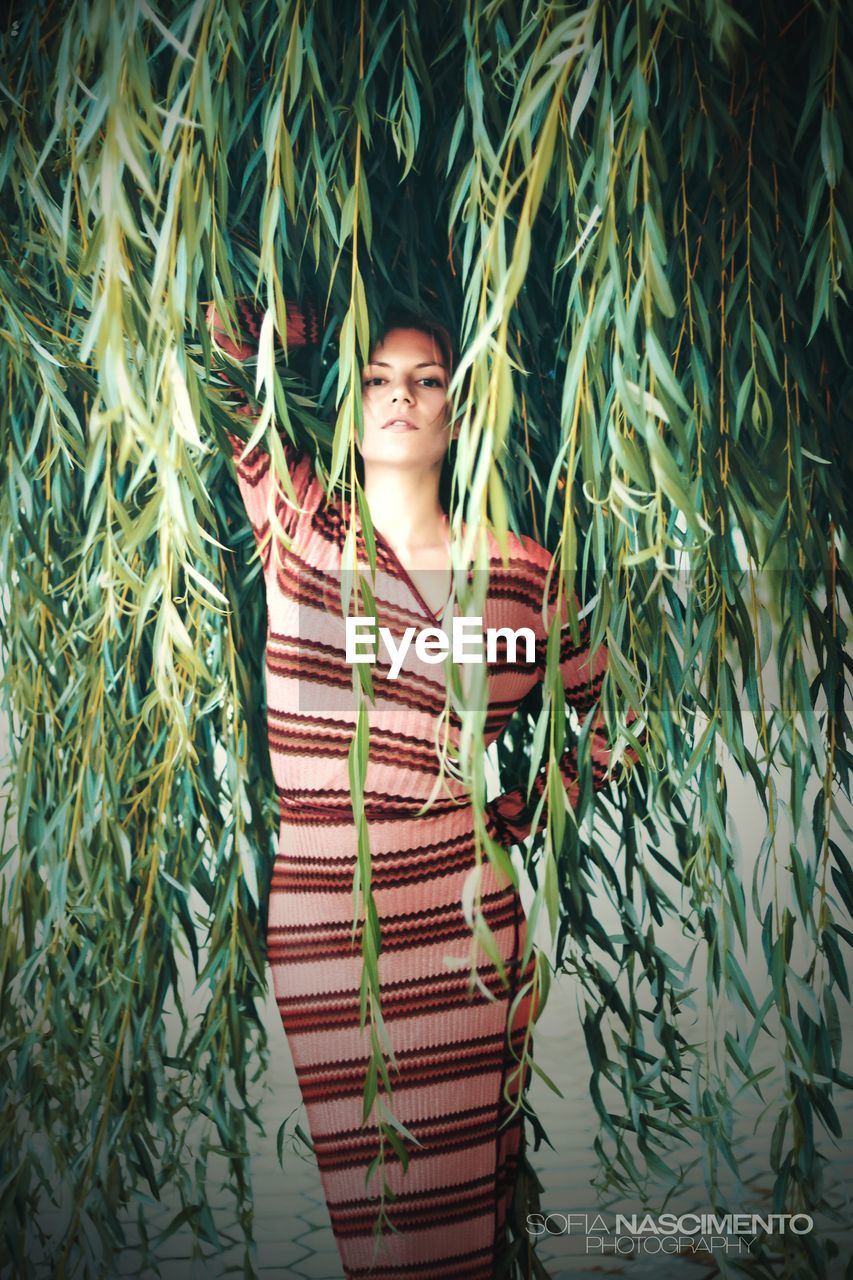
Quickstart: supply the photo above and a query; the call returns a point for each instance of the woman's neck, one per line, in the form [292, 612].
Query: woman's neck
[404, 506]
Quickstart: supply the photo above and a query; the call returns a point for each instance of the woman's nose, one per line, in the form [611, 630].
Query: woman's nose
[401, 392]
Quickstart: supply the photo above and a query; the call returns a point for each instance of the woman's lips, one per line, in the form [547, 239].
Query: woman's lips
[399, 425]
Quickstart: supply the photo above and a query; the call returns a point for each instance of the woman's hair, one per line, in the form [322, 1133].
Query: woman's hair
[402, 318]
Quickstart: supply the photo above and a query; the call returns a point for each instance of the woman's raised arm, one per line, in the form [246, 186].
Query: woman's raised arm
[254, 471]
[303, 328]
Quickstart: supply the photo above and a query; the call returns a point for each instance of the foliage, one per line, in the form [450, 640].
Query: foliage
[641, 214]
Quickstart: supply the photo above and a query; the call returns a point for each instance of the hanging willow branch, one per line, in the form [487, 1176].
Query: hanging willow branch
[638, 219]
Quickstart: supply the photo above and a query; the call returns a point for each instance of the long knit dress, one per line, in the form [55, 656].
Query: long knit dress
[453, 1046]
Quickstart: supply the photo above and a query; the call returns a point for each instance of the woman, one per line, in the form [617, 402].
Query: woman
[453, 1047]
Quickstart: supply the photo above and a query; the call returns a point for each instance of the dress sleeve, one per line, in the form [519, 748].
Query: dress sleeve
[254, 469]
[582, 671]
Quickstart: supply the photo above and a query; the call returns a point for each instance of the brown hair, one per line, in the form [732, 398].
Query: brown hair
[402, 318]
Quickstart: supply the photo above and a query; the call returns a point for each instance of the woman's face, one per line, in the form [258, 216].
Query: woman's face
[404, 401]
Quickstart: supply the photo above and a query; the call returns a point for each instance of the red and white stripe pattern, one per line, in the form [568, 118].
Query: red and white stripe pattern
[453, 1047]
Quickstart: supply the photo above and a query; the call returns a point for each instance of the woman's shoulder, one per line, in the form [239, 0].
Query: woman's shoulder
[520, 581]
[526, 556]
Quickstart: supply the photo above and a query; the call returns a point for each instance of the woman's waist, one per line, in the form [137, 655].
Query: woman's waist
[401, 769]
[302, 803]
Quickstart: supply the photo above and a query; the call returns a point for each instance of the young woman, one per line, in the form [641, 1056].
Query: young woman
[453, 1047]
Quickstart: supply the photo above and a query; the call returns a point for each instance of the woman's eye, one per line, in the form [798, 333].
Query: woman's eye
[377, 381]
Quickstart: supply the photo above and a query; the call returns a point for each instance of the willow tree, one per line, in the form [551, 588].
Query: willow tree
[637, 219]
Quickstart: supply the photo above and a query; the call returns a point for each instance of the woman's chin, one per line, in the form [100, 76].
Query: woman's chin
[401, 451]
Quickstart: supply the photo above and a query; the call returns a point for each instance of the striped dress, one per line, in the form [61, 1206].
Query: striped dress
[453, 1046]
